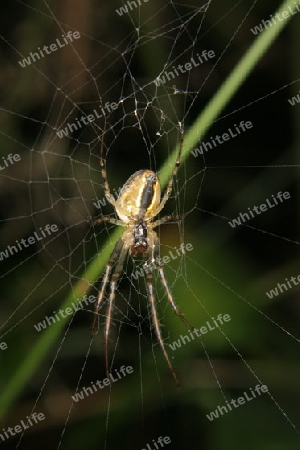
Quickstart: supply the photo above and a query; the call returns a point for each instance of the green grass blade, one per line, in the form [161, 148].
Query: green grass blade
[227, 90]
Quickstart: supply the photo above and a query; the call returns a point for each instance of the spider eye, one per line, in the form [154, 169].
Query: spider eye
[151, 178]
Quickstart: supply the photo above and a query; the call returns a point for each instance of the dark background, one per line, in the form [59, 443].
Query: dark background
[229, 270]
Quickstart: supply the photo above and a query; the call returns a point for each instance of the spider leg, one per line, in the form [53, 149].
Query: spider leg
[171, 300]
[114, 255]
[104, 175]
[170, 184]
[166, 287]
[155, 321]
[156, 324]
[122, 251]
[205, 6]
[108, 219]
[173, 218]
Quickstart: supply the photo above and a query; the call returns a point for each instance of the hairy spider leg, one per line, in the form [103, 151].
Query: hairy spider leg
[204, 8]
[171, 180]
[166, 287]
[107, 193]
[119, 252]
[113, 285]
[110, 220]
[156, 324]
[172, 218]
[114, 255]
[149, 279]
[104, 175]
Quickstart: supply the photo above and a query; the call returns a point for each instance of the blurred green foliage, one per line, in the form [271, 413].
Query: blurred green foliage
[228, 271]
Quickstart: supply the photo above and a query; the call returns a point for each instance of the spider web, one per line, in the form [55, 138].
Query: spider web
[108, 76]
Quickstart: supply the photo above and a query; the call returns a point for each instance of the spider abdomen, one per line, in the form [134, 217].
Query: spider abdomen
[139, 197]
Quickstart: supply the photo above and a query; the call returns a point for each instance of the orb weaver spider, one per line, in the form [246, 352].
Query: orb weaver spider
[137, 205]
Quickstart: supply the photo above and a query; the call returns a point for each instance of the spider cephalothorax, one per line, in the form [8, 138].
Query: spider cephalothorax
[140, 239]
[137, 205]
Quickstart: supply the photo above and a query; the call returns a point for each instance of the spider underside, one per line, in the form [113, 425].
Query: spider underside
[136, 206]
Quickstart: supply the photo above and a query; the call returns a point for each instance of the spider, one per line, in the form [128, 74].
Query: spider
[138, 203]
